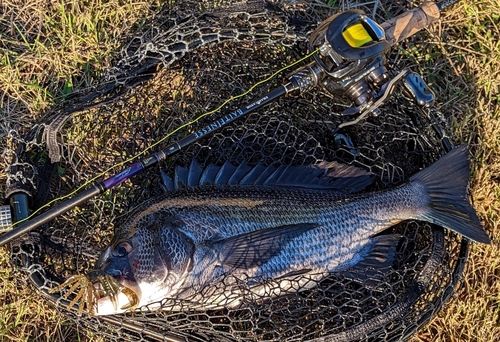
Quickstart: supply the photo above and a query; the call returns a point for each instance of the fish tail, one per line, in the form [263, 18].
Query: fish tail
[446, 185]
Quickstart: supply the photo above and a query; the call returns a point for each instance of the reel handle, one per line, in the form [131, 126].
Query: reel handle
[410, 22]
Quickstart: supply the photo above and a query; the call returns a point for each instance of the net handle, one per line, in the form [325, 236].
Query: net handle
[5, 218]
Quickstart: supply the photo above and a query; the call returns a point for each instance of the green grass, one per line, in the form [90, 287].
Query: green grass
[46, 45]
[50, 50]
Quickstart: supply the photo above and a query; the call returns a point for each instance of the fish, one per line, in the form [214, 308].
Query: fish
[220, 229]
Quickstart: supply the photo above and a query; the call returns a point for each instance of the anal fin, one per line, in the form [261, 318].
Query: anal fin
[372, 269]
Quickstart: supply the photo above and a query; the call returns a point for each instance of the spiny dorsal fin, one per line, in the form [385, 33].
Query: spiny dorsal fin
[325, 175]
[194, 173]
[239, 173]
[252, 176]
[180, 177]
[225, 172]
[208, 175]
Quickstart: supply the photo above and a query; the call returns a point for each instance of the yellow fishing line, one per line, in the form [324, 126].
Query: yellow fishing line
[232, 98]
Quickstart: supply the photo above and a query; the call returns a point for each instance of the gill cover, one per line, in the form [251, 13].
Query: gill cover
[175, 248]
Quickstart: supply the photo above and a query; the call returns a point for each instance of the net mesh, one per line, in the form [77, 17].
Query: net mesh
[187, 61]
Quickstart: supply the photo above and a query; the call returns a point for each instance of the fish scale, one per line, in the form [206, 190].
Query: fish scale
[344, 223]
[274, 226]
[270, 207]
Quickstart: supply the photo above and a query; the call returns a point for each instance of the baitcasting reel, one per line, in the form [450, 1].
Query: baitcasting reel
[351, 62]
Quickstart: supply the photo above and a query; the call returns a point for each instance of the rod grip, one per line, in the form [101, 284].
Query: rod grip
[410, 22]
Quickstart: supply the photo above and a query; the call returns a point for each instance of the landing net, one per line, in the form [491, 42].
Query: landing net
[187, 61]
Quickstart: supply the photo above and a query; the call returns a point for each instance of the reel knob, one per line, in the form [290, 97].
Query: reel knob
[418, 90]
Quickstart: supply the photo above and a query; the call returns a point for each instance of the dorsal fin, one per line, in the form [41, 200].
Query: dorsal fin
[167, 182]
[265, 174]
[180, 177]
[253, 174]
[208, 175]
[225, 172]
[194, 173]
[325, 175]
[239, 173]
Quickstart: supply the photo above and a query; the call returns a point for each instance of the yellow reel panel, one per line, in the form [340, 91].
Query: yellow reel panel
[356, 35]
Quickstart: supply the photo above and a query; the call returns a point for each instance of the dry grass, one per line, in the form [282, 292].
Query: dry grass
[50, 50]
[473, 52]
[23, 318]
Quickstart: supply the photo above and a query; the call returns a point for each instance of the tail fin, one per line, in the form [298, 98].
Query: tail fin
[446, 183]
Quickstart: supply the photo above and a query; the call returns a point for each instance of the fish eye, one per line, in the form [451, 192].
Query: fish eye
[122, 249]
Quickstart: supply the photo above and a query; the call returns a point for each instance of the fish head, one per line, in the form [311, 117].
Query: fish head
[149, 264]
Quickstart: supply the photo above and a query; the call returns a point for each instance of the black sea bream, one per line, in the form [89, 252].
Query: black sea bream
[257, 223]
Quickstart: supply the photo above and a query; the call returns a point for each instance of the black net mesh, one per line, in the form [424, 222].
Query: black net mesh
[191, 58]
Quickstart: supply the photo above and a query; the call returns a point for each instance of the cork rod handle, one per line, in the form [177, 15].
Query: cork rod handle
[410, 22]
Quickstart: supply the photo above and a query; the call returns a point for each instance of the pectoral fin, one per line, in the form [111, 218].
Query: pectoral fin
[255, 248]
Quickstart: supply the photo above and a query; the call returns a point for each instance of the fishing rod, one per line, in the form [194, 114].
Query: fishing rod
[349, 52]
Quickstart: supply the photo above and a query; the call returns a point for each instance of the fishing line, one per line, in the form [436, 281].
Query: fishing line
[134, 157]
[336, 52]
